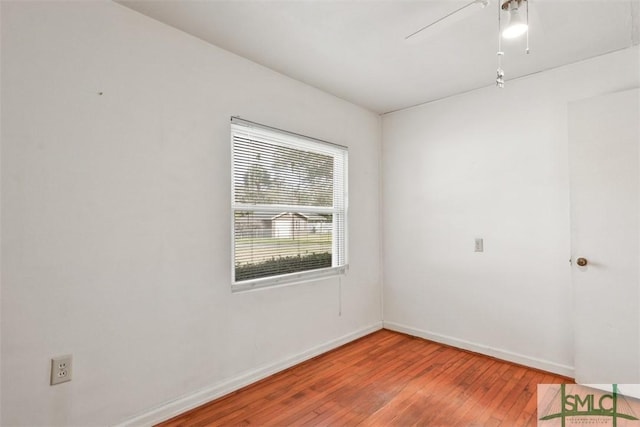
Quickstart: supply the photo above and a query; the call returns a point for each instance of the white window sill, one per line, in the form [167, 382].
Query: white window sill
[288, 279]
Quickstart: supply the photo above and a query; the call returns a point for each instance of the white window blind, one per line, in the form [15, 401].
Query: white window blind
[289, 206]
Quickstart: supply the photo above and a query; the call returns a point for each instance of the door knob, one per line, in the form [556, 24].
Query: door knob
[581, 262]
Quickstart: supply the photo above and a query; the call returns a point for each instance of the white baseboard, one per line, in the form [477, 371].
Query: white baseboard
[178, 406]
[509, 356]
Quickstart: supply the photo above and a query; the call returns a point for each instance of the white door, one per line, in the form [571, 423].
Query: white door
[605, 231]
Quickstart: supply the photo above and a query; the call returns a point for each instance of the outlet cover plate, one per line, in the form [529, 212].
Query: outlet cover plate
[61, 369]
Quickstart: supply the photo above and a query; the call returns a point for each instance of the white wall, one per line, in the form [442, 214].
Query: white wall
[493, 164]
[116, 218]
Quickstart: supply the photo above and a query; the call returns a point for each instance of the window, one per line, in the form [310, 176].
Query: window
[289, 206]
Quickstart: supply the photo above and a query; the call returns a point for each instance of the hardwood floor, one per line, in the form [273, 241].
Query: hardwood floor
[384, 379]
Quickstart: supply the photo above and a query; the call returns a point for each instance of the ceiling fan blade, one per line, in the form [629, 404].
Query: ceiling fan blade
[414, 35]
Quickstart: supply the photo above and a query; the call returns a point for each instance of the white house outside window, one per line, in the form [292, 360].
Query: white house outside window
[289, 206]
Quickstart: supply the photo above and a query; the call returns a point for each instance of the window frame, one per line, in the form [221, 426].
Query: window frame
[299, 142]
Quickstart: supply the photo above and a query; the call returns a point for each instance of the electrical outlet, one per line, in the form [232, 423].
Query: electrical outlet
[61, 369]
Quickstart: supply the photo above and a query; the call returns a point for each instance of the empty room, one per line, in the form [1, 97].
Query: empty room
[320, 212]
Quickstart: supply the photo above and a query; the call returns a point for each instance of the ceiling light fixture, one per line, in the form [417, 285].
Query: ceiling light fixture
[515, 28]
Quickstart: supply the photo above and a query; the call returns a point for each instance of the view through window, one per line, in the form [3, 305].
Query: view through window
[289, 206]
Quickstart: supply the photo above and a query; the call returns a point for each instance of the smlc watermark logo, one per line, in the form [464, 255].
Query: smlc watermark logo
[577, 405]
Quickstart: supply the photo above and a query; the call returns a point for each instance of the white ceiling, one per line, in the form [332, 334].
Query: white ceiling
[356, 49]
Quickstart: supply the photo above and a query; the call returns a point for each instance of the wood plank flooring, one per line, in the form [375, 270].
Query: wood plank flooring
[384, 379]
